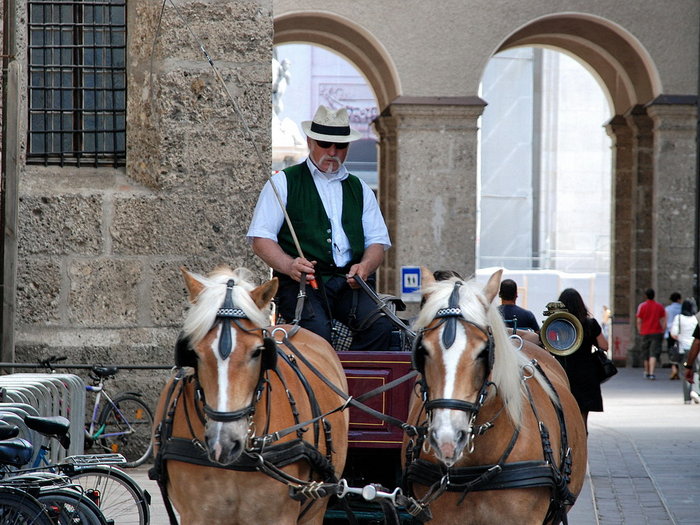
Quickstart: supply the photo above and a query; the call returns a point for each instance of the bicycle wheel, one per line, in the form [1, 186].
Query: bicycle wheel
[128, 425]
[116, 494]
[17, 507]
[71, 507]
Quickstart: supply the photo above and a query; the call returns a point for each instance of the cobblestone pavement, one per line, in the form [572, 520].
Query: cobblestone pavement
[644, 457]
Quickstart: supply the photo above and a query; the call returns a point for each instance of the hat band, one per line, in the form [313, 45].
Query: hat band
[330, 130]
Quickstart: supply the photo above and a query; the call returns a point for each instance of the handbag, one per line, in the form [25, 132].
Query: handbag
[674, 353]
[606, 368]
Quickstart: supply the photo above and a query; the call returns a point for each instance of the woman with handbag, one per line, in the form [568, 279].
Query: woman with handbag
[583, 367]
[682, 330]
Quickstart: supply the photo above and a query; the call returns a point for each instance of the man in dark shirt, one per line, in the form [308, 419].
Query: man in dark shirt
[515, 316]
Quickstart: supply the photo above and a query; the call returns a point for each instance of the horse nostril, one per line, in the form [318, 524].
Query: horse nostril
[461, 436]
[234, 451]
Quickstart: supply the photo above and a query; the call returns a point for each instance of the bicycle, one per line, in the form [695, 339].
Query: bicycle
[39, 497]
[116, 494]
[123, 425]
[20, 507]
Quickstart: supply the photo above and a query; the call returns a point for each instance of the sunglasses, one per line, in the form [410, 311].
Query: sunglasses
[326, 145]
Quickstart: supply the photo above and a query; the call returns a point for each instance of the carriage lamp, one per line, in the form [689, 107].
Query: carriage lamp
[561, 332]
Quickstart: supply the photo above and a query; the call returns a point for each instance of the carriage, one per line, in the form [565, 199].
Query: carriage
[265, 418]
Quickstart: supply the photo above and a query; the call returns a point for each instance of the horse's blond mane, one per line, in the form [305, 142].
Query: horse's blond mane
[202, 313]
[508, 361]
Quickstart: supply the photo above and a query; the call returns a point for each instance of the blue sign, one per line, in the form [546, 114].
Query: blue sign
[410, 283]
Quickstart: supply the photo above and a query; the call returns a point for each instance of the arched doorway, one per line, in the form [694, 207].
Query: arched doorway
[305, 76]
[643, 180]
[545, 177]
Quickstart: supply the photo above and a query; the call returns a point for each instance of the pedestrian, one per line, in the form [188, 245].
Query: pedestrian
[336, 219]
[515, 316]
[651, 324]
[672, 310]
[692, 366]
[582, 366]
[682, 329]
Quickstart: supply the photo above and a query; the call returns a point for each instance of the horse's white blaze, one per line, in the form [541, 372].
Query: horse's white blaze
[447, 423]
[222, 396]
[222, 370]
[451, 357]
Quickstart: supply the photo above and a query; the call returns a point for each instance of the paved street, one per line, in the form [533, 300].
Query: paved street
[644, 457]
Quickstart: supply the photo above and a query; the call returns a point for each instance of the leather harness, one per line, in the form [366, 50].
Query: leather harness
[551, 472]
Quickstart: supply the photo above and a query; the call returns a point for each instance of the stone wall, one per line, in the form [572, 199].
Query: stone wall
[99, 250]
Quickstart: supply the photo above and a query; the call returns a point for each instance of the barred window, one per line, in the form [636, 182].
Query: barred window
[77, 82]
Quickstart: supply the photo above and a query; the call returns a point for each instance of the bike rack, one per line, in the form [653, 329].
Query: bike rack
[49, 395]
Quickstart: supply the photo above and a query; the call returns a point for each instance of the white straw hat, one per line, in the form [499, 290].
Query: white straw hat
[330, 126]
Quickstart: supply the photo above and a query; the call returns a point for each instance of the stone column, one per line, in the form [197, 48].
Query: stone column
[675, 182]
[623, 236]
[428, 183]
[643, 273]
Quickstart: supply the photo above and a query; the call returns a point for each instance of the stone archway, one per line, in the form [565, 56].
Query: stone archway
[616, 58]
[348, 39]
[654, 135]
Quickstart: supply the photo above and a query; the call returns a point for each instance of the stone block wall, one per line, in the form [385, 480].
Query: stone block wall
[99, 249]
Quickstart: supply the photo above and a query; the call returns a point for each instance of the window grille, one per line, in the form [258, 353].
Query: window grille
[77, 82]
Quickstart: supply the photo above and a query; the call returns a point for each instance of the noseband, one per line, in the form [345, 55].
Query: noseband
[227, 314]
[449, 317]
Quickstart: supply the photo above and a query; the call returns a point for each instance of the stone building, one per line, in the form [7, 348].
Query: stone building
[95, 232]
[93, 240]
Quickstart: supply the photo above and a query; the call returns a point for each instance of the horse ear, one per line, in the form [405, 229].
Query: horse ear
[194, 286]
[492, 287]
[264, 293]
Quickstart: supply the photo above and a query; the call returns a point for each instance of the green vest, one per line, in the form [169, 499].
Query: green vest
[311, 223]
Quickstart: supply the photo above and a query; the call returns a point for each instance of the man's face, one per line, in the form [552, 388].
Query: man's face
[327, 159]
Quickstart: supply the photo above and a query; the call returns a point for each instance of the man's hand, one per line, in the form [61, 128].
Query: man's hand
[300, 265]
[689, 372]
[371, 259]
[356, 269]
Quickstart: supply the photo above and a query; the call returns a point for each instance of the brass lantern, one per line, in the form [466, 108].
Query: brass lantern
[561, 332]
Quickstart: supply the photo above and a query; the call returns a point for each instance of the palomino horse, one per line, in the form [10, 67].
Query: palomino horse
[501, 439]
[219, 458]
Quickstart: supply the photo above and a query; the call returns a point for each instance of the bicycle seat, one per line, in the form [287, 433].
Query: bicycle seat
[105, 371]
[8, 431]
[16, 452]
[49, 425]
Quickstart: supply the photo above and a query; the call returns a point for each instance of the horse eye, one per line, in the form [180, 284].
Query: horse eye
[257, 352]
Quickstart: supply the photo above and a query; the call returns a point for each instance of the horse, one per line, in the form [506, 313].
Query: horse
[246, 424]
[499, 436]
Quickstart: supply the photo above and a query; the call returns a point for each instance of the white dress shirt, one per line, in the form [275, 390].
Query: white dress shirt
[268, 216]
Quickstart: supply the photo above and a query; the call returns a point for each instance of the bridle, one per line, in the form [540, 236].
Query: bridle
[226, 315]
[449, 317]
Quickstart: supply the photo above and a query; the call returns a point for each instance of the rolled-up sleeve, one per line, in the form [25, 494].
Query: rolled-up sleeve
[268, 215]
[372, 220]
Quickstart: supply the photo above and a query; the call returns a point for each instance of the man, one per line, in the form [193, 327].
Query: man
[672, 310]
[515, 316]
[339, 227]
[691, 372]
[651, 324]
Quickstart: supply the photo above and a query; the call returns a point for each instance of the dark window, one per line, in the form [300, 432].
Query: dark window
[77, 82]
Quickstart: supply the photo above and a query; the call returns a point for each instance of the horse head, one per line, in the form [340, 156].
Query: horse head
[462, 351]
[225, 329]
